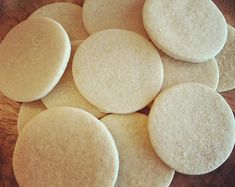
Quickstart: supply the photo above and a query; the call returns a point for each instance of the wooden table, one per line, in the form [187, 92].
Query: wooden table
[14, 11]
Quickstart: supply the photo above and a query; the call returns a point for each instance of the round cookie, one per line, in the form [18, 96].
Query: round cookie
[178, 71]
[112, 14]
[188, 30]
[65, 146]
[27, 112]
[66, 93]
[139, 165]
[191, 128]
[69, 15]
[118, 71]
[33, 57]
[226, 63]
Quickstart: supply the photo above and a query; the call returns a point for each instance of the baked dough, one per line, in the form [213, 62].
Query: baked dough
[139, 165]
[188, 30]
[178, 71]
[33, 57]
[65, 146]
[118, 71]
[112, 14]
[226, 63]
[27, 112]
[69, 15]
[192, 128]
[66, 93]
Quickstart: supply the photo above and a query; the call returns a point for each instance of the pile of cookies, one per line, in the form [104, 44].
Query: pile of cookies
[84, 73]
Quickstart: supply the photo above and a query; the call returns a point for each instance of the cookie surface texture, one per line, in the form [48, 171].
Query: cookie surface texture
[27, 112]
[191, 128]
[139, 165]
[118, 71]
[188, 30]
[33, 57]
[69, 15]
[226, 63]
[66, 93]
[178, 71]
[111, 14]
[65, 146]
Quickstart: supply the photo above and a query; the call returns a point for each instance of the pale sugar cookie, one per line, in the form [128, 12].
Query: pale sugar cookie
[139, 165]
[69, 15]
[33, 57]
[118, 71]
[178, 71]
[192, 128]
[65, 146]
[112, 14]
[66, 93]
[226, 63]
[188, 30]
[27, 112]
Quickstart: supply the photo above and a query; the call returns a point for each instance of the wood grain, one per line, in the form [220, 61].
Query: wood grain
[8, 134]
[14, 11]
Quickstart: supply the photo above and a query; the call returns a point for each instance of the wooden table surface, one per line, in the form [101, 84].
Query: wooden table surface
[14, 11]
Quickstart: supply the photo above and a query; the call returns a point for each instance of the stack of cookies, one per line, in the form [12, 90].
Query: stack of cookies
[84, 73]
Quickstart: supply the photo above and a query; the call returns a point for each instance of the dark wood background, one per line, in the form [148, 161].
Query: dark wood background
[14, 11]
